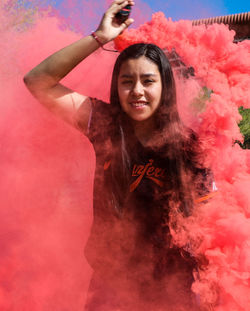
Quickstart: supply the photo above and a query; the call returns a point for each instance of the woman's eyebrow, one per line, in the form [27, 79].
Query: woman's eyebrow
[148, 75]
[145, 75]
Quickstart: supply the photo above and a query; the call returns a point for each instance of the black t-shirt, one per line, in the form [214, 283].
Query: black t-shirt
[124, 241]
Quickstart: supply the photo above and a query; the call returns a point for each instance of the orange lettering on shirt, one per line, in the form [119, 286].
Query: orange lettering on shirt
[149, 171]
[157, 172]
[140, 169]
[107, 165]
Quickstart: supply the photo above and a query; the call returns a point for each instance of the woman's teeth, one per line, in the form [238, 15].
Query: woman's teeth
[139, 104]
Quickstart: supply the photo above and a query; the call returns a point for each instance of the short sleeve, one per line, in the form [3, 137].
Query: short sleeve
[100, 122]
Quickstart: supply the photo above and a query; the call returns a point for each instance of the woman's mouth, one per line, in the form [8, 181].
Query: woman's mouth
[139, 104]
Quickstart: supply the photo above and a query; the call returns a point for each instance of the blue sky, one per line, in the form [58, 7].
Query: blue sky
[75, 11]
[195, 9]
[177, 9]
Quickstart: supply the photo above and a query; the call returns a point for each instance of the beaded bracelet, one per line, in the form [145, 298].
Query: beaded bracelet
[93, 34]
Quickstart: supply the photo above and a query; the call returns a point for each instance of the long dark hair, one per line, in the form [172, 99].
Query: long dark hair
[171, 138]
[167, 111]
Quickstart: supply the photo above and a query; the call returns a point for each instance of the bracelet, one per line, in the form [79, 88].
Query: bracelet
[93, 34]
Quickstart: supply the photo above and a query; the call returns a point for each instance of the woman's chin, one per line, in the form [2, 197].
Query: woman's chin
[139, 118]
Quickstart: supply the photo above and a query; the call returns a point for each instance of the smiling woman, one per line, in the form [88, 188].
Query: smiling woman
[139, 88]
[144, 168]
[143, 86]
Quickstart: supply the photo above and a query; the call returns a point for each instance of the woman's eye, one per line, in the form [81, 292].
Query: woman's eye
[148, 81]
[126, 82]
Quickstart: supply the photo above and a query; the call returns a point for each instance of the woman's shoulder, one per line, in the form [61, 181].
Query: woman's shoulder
[100, 107]
[100, 120]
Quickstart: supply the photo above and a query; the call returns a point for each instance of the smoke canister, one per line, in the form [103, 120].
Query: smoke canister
[122, 15]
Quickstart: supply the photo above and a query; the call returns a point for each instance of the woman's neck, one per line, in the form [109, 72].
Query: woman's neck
[143, 130]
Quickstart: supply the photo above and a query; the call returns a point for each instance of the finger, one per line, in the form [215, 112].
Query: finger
[127, 23]
[120, 1]
[118, 7]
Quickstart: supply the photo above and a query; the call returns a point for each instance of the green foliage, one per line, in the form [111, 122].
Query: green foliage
[245, 127]
[199, 103]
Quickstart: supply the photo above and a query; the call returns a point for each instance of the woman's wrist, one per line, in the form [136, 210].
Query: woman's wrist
[102, 41]
[100, 37]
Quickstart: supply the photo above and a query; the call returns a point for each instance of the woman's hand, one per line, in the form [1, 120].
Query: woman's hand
[43, 81]
[109, 27]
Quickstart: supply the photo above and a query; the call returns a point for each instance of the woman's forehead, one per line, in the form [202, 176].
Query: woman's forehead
[142, 66]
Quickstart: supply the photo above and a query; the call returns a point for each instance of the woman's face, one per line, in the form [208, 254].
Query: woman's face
[139, 88]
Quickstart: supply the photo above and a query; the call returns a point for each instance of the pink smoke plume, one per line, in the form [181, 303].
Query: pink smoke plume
[219, 229]
[47, 167]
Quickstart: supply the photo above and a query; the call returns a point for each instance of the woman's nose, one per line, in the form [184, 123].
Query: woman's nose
[137, 89]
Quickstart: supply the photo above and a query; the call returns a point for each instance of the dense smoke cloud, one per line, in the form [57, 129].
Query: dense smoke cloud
[218, 230]
[47, 167]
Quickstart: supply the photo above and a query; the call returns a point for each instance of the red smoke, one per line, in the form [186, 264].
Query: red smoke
[219, 229]
[47, 167]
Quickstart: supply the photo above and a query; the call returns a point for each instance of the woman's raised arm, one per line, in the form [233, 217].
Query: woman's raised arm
[43, 80]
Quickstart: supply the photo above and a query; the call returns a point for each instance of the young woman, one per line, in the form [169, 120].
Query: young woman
[145, 160]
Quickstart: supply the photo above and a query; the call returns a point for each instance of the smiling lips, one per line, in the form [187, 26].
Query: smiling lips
[139, 104]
